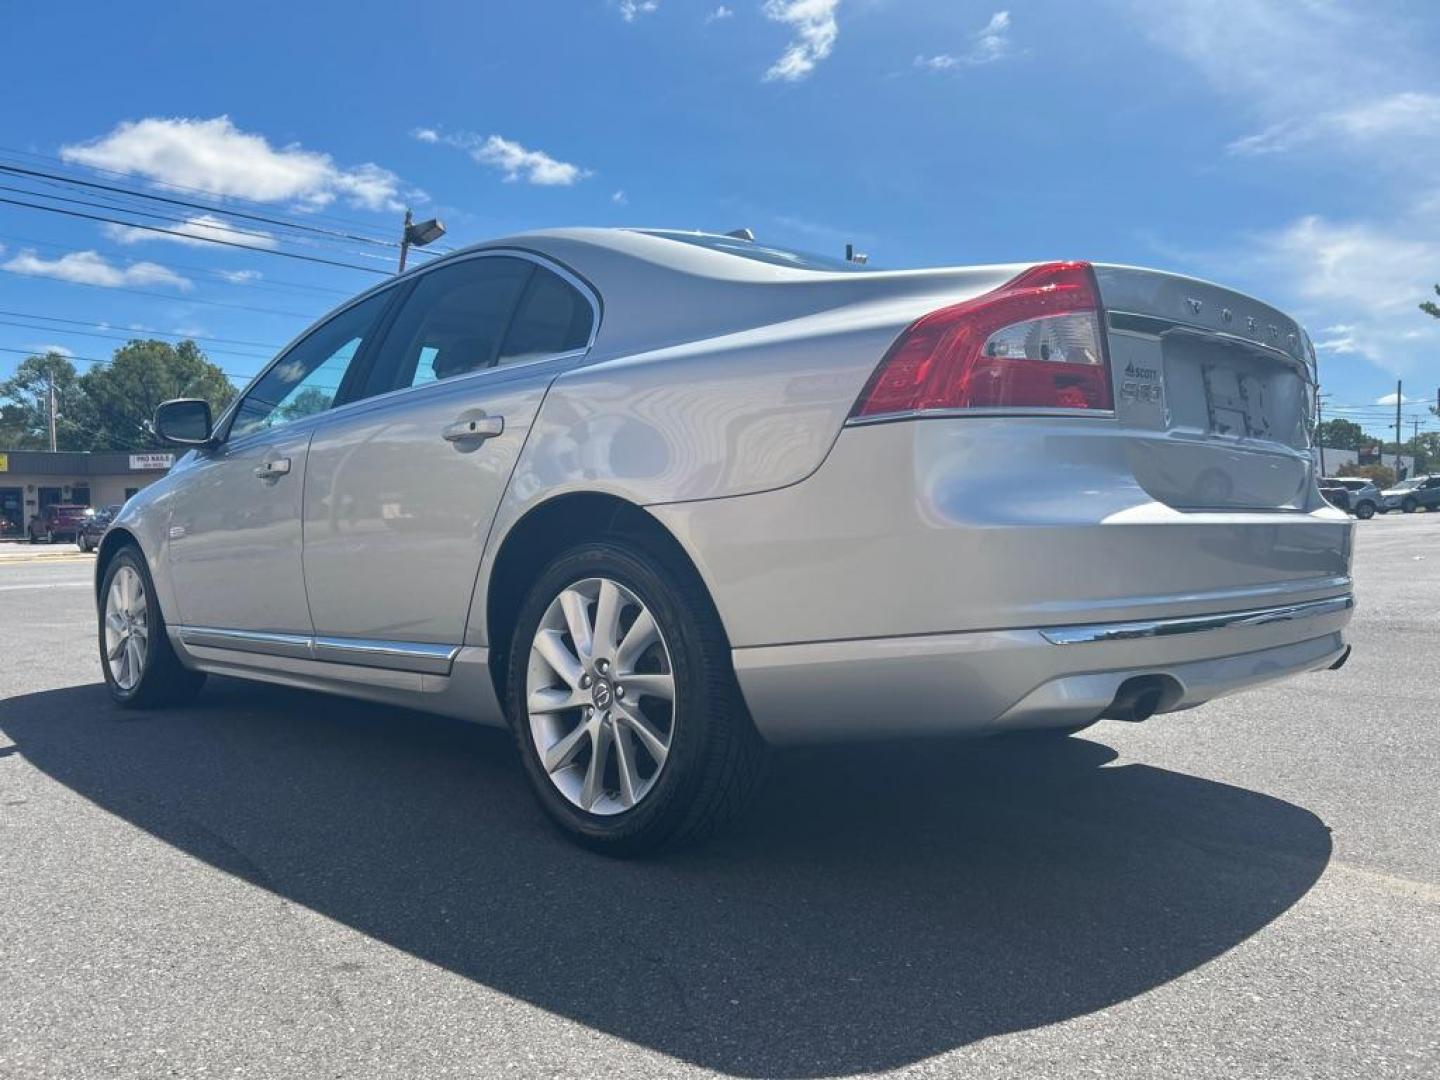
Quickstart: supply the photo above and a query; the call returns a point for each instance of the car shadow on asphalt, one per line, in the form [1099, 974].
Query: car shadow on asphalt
[883, 904]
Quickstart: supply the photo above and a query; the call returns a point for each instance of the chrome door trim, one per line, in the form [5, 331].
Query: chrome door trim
[1195, 624]
[396, 655]
[252, 641]
[420, 657]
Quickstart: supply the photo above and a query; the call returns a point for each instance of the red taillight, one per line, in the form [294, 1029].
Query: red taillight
[1033, 343]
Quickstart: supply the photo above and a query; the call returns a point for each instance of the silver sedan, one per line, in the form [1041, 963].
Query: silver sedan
[656, 500]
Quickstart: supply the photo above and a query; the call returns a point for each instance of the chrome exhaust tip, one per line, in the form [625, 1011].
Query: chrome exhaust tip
[1142, 697]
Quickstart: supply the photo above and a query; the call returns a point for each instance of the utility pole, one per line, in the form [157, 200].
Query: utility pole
[1320, 430]
[1399, 397]
[50, 399]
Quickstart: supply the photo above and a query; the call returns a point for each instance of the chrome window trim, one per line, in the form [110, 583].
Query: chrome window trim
[1195, 624]
[421, 657]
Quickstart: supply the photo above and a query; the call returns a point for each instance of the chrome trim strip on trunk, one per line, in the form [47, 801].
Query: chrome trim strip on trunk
[396, 655]
[423, 658]
[1196, 624]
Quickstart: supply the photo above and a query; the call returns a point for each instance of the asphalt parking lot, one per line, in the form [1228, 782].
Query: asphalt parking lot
[275, 884]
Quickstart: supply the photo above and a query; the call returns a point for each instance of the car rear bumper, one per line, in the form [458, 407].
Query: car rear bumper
[984, 682]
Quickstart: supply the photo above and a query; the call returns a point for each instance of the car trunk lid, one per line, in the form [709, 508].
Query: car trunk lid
[1219, 386]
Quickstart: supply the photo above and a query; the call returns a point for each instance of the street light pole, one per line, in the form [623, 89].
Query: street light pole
[417, 234]
[405, 239]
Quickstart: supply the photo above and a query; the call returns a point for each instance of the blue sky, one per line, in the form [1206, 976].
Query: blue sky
[1287, 147]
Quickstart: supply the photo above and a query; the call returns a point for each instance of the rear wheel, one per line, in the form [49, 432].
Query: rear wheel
[1365, 511]
[624, 704]
[141, 669]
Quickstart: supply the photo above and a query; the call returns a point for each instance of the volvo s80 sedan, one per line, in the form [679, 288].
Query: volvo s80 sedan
[656, 499]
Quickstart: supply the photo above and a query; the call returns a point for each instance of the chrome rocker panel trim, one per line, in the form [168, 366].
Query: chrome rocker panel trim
[1198, 624]
[424, 659]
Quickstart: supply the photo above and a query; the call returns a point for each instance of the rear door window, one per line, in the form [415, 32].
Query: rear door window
[452, 323]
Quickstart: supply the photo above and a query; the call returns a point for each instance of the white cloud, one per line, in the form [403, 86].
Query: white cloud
[240, 277]
[619, 198]
[197, 231]
[216, 156]
[1402, 116]
[1351, 89]
[815, 29]
[514, 160]
[90, 268]
[721, 12]
[631, 8]
[1371, 274]
[1391, 399]
[988, 44]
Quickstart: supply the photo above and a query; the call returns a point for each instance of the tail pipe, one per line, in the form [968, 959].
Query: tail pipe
[1142, 696]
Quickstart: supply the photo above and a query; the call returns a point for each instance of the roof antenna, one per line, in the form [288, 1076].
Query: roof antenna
[851, 255]
[741, 234]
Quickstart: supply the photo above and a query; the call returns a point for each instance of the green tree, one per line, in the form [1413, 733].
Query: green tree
[1343, 435]
[119, 398]
[25, 409]
[1426, 449]
[1430, 307]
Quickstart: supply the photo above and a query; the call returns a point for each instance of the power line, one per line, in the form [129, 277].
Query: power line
[98, 326]
[210, 208]
[131, 337]
[102, 363]
[165, 296]
[191, 236]
[121, 208]
[169, 185]
[267, 283]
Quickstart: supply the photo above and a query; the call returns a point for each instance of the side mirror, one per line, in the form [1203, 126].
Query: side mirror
[184, 421]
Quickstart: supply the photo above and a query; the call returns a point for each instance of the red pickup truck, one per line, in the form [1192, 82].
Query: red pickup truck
[59, 521]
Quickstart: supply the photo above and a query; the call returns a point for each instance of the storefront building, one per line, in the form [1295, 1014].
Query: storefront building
[31, 480]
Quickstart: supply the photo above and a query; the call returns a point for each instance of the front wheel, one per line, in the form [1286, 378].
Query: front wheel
[1365, 511]
[141, 668]
[624, 704]
[1409, 506]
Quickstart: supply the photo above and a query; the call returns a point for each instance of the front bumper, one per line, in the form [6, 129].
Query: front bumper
[984, 682]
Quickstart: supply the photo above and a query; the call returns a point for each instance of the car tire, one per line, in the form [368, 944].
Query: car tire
[1365, 511]
[691, 765]
[146, 674]
[1409, 506]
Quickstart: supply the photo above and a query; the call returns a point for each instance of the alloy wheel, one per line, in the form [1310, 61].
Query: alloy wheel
[600, 696]
[127, 633]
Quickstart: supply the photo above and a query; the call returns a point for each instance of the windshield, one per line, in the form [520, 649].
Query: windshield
[749, 249]
[1406, 485]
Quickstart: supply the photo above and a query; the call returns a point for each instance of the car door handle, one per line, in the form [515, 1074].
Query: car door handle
[269, 470]
[474, 430]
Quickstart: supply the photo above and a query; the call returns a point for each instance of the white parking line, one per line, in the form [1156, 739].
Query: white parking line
[46, 585]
